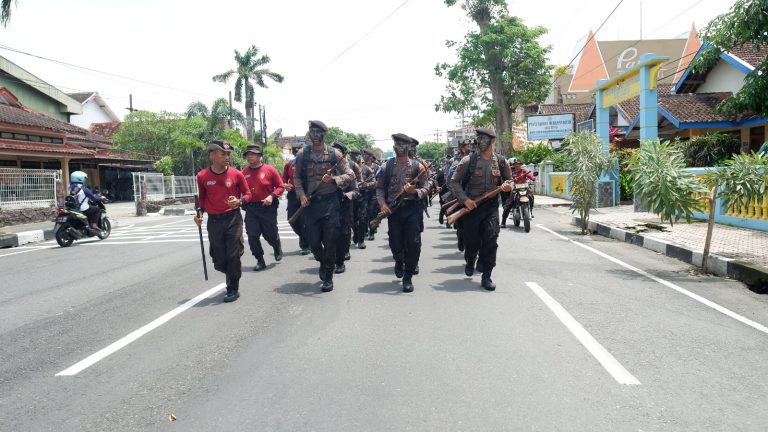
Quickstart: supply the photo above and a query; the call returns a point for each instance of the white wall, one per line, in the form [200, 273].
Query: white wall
[92, 113]
[722, 78]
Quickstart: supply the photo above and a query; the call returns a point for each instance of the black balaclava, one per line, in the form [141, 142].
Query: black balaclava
[316, 134]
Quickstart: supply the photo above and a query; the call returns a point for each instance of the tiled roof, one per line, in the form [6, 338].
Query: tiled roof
[698, 107]
[581, 110]
[80, 97]
[33, 147]
[287, 141]
[749, 54]
[23, 116]
[630, 107]
[106, 129]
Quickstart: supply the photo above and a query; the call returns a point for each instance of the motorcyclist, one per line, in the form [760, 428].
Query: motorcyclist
[519, 175]
[82, 195]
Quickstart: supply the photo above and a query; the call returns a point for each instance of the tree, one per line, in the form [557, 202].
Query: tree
[216, 119]
[499, 68]
[249, 71]
[589, 162]
[351, 140]
[431, 150]
[5, 11]
[745, 23]
[534, 153]
[149, 135]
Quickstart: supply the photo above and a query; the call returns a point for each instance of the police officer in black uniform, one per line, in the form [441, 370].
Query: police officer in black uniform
[476, 175]
[366, 187]
[320, 173]
[406, 221]
[373, 203]
[349, 194]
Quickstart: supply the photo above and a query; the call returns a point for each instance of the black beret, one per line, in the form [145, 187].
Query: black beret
[486, 132]
[414, 141]
[253, 148]
[318, 124]
[402, 137]
[341, 147]
[369, 153]
[220, 145]
[355, 151]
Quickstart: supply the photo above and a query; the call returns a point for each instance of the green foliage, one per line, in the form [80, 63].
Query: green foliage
[273, 155]
[742, 179]
[164, 165]
[499, 68]
[216, 119]
[151, 136]
[745, 22]
[349, 139]
[585, 150]
[534, 153]
[625, 183]
[709, 150]
[561, 161]
[660, 181]
[5, 11]
[430, 150]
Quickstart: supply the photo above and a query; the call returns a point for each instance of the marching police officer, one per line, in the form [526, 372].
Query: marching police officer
[366, 187]
[373, 203]
[477, 174]
[266, 187]
[222, 189]
[349, 194]
[319, 174]
[402, 185]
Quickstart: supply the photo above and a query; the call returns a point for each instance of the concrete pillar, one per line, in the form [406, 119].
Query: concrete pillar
[649, 124]
[602, 121]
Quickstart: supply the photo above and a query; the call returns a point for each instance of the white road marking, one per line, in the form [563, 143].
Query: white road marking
[698, 298]
[100, 355]
[28, 250]
[609, 362]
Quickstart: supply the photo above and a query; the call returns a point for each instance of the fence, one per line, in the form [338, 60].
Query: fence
[157, 187]
[28, 188]
[753, 215]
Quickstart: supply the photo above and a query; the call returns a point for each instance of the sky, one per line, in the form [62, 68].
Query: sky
[365, 66]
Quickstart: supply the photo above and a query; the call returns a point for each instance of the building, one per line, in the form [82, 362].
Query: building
[94, 110]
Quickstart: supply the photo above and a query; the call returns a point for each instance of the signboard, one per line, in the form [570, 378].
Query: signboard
[586, 125]
[556, 126]
[627, 86]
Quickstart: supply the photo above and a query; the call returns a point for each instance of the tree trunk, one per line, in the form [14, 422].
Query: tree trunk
[249, 120]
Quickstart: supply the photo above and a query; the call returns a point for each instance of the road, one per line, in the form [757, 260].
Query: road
[583, 333]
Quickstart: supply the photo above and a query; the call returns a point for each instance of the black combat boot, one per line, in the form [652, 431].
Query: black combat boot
[233, 292]
[304, 251]
[487, 283]
[361, 245]
[399, 270]
[407, 283]
[416, 269]
[469, 267]
[328, 281]
[347, 256]
[340, 268]
[321, 272]
[479, 267]
[260, 264]
[278, 249]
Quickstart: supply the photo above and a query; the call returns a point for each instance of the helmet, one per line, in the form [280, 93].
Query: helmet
[512, 160]
[78, 177]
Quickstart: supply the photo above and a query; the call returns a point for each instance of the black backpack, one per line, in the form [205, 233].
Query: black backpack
[389, 169]
[70, 201]
[307, 159]
[473, 158]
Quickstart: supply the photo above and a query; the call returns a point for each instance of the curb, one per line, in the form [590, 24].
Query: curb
[33, 236]
[754, 275]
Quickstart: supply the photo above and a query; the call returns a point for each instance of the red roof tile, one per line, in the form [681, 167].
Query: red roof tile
[32, 147]
[698, 107]
[581, 110]
[749, 54]
[106, 129]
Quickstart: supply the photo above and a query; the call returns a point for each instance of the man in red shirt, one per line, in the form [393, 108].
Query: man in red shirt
[293, 200]
[265, 186]
[222, 189]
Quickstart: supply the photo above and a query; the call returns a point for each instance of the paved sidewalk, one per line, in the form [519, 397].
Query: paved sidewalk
[739, 253]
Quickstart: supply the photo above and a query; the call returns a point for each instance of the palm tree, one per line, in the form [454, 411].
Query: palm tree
[249, 70]
[5, 11]
[217, 118]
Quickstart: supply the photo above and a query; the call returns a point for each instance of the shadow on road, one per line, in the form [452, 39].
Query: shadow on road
[457, 270]
[210, 301]
[305, 289]
[388, 288]
[384, 270]
[459, 285]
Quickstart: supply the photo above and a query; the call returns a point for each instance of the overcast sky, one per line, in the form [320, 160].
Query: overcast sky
[366, 66]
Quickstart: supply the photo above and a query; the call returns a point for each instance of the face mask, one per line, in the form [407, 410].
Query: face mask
[316, 135]
[483, 142]
[401, 149]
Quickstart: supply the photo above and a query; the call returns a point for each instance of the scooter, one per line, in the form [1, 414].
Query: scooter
[73, 225]
[521, 207]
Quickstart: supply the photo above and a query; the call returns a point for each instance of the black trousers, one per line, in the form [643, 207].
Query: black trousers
[405, 226]
[481, 233]
[93, 213]
[298, 225]
[322, 221]
[346, 210]
[225, 242]
[373, 210]
[360, 219]
[261, 221]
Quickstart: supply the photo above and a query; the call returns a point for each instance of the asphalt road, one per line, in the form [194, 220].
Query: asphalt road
[583, 333]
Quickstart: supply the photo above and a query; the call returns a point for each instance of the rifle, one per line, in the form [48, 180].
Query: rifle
[463, 211]
[200, 231]
[374, 224]
[298, 212]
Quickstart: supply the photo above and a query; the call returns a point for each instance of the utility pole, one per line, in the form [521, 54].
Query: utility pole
[130, 103]
[230, 109]
[263, 118]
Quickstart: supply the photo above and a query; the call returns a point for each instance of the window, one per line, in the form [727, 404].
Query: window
[756, 137]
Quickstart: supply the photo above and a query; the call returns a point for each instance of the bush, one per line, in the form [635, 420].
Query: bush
[534, 154]
[709, 150]
[625, 185]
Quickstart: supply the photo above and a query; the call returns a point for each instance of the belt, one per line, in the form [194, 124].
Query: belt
[222, 216]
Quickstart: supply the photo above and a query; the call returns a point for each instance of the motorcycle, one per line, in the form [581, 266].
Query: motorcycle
[73, 225]
[521, 207]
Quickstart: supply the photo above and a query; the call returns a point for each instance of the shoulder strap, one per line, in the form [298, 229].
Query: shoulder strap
[415, 168]
[389, 169]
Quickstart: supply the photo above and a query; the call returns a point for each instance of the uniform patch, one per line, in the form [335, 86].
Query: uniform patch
[210, 183]
[261, 176]
[228, 182]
